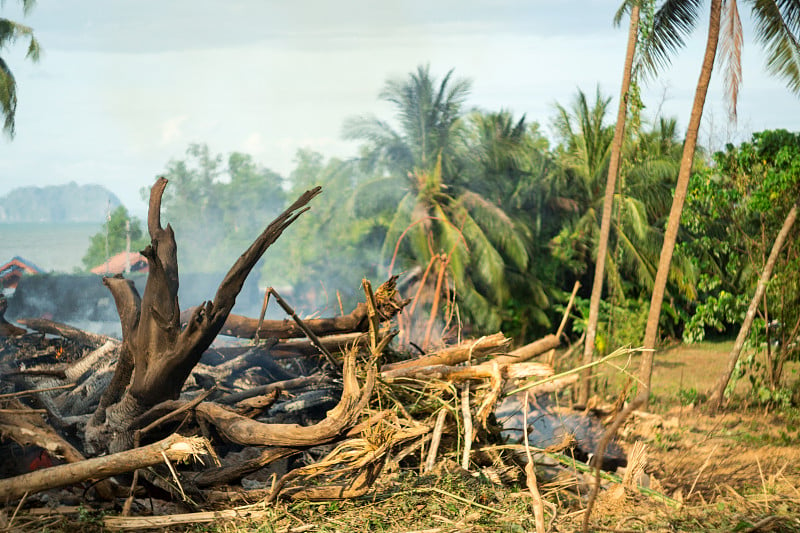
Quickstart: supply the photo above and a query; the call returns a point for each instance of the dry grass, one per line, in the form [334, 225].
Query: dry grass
[733, 472]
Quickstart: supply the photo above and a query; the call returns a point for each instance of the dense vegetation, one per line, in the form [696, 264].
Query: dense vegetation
[496, 222]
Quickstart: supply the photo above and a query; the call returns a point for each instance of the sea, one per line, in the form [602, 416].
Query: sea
[53, 247]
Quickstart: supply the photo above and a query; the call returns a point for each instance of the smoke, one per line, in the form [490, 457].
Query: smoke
[83, 302]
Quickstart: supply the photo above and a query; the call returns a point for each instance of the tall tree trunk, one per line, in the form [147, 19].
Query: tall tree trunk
[608, 204]
[671, 234]
[718, 393]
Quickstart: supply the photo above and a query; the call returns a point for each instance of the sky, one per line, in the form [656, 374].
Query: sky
[124, 86]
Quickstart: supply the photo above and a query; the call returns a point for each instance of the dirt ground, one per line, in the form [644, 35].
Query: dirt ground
[736, 471]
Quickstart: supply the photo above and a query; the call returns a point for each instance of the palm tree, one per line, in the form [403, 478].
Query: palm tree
[585, 153]
[508, 163]
[608, 204]
[430, 124]
[631, 248]
[10, 31]
[436, 216]
[777, 27]
[585, 139]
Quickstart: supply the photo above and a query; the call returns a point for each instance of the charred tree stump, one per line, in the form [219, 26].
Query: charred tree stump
[7, 329]
[156, 355]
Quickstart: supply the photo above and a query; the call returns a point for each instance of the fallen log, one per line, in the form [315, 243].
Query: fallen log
[296, 383]
[292, 348]
[528, 351]
[243, 430]
[463, 373]
[173, 448]
[25, 427]
[42, 325]
[467, 350]
[226, 474]
[389, 304]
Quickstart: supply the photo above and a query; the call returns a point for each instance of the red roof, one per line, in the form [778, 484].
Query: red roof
[18, 263]
[11, 272]
[117, 264]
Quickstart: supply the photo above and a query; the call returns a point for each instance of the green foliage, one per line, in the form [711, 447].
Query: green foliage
[217, 207]
[338, 244]
[733, 213]
[717, 312]
[641, 204]
[10, 31]
[618, 325]
[451, 181]
[113, 238]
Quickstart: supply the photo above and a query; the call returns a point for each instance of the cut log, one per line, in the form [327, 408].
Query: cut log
[175, 448]
[389, 304]
[467, 350]
[92, 340]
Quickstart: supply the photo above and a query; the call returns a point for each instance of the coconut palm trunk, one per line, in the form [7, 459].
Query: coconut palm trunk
[673, 223]
[608, 203]
[718, 393]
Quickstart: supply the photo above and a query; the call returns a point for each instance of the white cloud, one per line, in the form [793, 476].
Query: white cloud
[254, 144]
[171, 129]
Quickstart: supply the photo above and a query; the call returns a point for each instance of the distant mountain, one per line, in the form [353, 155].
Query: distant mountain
[58, 203]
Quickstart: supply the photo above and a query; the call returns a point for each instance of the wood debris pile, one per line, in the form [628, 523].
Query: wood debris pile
[314, 409]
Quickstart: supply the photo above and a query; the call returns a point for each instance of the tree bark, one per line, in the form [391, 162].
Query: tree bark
[157, 355]
[608, 204]
[174, 448]
[467, 350]
[718, 392]
[389, 304]
[242, 430]
[673, 223]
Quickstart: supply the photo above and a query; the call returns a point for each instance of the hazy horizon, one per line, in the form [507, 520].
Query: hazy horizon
[121, 89]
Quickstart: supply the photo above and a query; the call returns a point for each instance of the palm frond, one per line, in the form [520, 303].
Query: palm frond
[623, 9]
[645, 269]
[673, 22]
[683, 273]
[485, 261]
[398, 224]
[498, 226]
[635, 216]
[778, 28]
[8, 97]
[731, 54]
[482, 312]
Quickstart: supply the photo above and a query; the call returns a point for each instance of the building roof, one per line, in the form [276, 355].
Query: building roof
[19, 263]
[116, 264]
